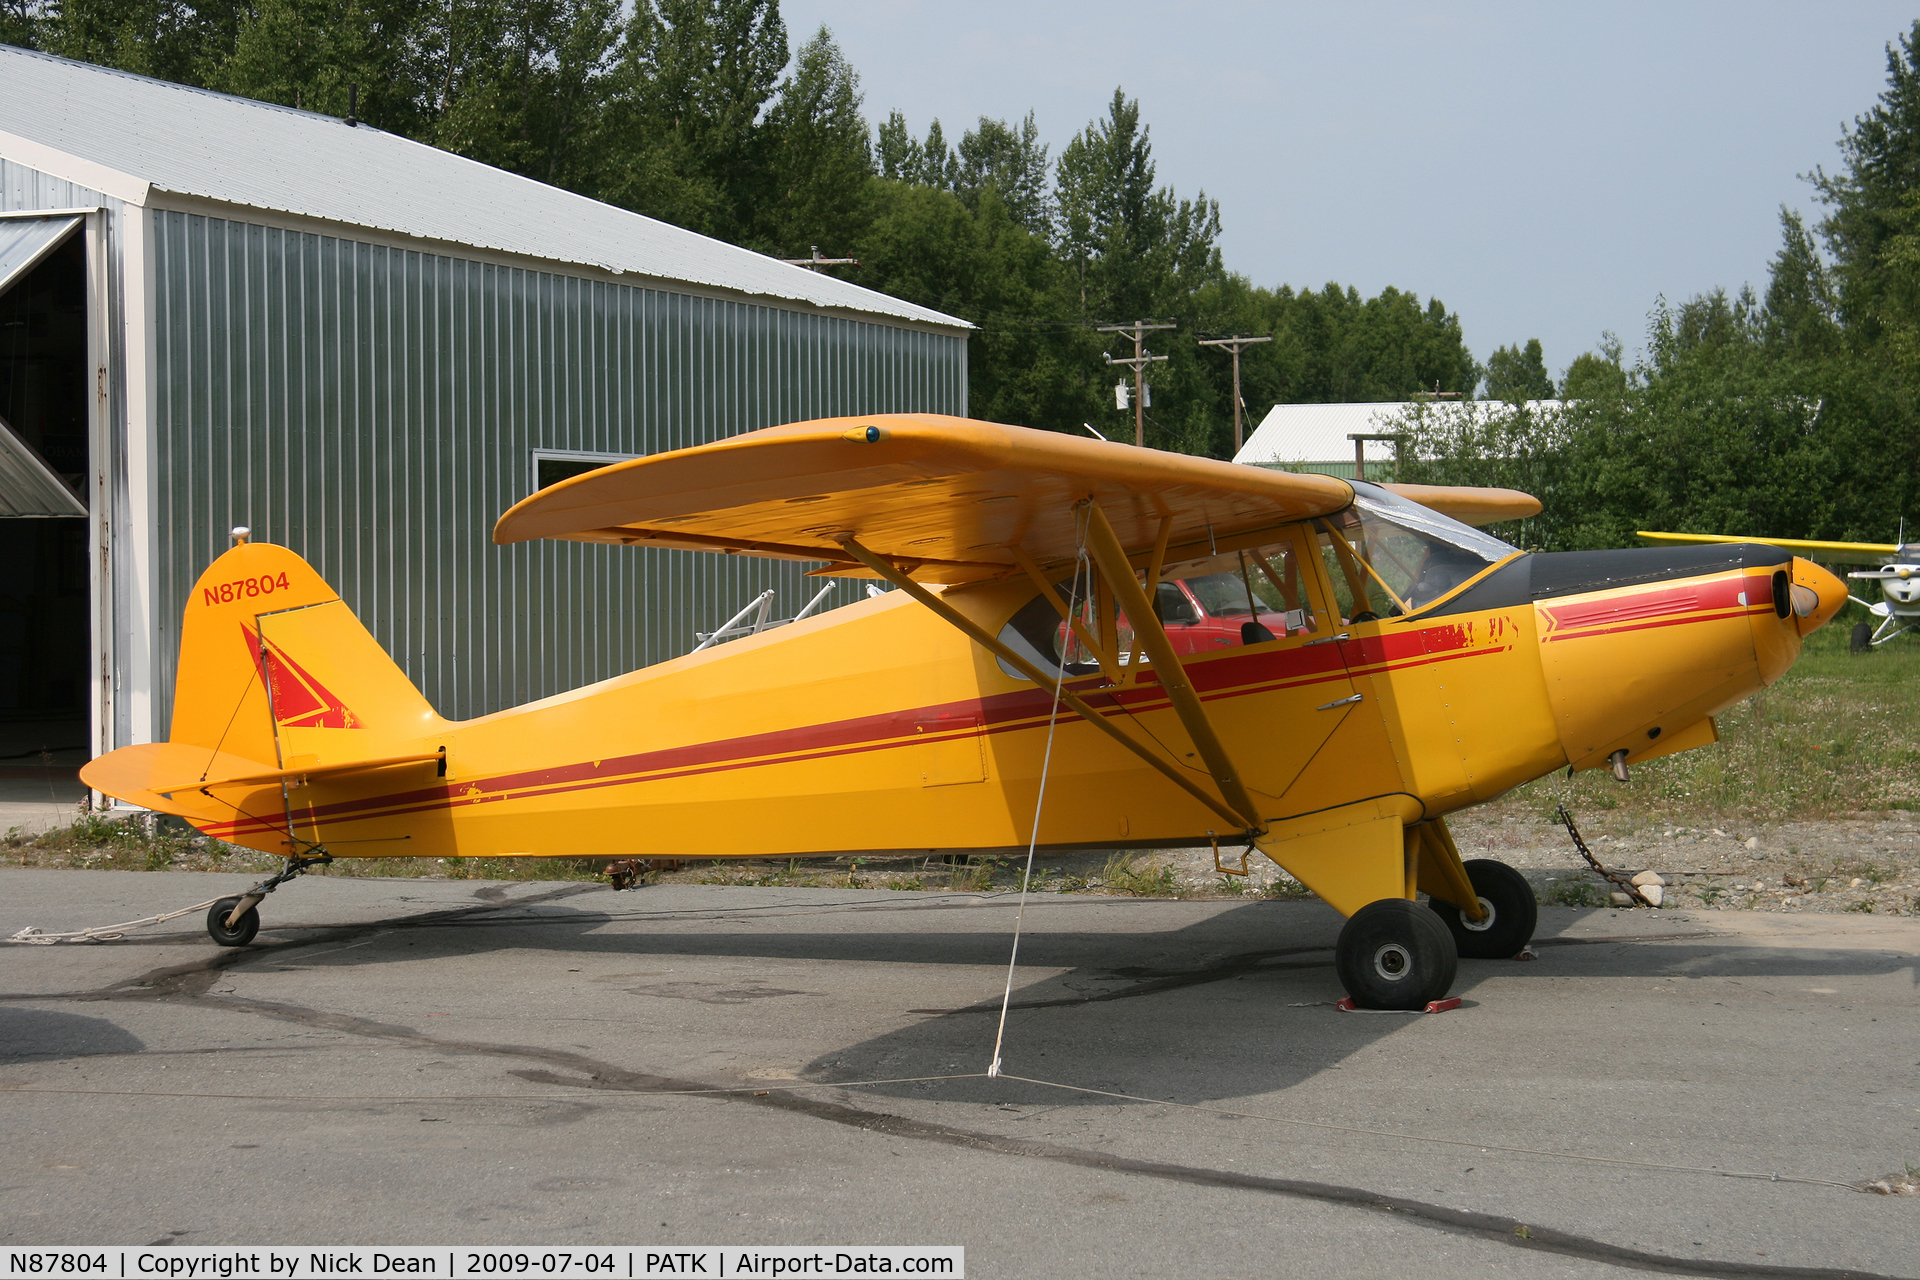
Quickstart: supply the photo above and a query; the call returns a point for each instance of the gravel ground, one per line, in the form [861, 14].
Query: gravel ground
[1867, 863]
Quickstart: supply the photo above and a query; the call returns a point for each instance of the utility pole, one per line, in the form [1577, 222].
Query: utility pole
[1236, 345]
[815, 262]
[1138, 331]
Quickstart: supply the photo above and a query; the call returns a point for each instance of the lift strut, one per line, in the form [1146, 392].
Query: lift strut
[1237, 807]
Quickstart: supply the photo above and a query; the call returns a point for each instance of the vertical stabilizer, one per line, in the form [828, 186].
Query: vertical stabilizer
[274, 667]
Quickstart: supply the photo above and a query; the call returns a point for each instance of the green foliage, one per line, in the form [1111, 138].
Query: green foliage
[1011, 163]
[1575, 893]
[818, 157]
[682, 127]
[1517, 374]
[1596, 375]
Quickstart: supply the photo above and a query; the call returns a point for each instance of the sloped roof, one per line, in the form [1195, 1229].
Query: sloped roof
[1297, 433]
[153, 136]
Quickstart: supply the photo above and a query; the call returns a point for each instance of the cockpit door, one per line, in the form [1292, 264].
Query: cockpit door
[1276, 701]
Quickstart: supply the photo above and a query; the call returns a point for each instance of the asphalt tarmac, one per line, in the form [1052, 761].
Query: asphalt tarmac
[463, 1062]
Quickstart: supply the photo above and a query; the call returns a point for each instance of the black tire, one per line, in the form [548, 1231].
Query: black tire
[1395, 954]
[1513, 913]
[238, 936]
[1862, 638]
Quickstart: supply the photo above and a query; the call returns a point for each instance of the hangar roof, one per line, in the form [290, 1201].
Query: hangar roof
[131, 138]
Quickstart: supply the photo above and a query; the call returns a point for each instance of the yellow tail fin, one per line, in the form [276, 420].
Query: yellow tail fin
[274, 667]
[278, 684]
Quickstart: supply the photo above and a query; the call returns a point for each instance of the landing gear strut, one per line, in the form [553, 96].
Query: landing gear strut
[232, 922]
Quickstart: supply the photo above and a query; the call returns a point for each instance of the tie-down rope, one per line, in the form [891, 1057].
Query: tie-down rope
[1046, 765]
[105, 932]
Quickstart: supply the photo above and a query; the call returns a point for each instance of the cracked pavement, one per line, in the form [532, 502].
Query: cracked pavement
[414, 1061]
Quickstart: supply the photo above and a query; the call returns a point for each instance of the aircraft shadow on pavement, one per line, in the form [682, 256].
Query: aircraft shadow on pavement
[44, 1035]
[1092, 1007]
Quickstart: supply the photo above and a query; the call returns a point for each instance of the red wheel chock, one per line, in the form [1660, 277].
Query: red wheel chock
[1345, 1005]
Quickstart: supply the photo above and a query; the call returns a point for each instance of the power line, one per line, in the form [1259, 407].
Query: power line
[814, 261]
[1236, 345]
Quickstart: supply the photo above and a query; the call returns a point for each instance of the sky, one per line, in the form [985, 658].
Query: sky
[1547, 171]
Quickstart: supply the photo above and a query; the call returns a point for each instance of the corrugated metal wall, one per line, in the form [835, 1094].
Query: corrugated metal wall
[375, 409]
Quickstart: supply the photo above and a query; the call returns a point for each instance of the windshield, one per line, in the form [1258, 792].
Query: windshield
[1389, 556]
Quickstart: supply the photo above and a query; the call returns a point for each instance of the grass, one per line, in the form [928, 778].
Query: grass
[1839, 733]
[1574, 893]
[153, 843]
[1124, 874]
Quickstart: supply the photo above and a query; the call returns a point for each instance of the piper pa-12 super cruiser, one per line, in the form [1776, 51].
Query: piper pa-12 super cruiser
[1396, 664]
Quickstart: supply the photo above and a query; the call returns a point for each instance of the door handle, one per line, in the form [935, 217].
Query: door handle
[1342, 702]
[1326, 640]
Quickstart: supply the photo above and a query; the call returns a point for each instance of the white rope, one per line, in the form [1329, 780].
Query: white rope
[106, 932]
[1040, 801]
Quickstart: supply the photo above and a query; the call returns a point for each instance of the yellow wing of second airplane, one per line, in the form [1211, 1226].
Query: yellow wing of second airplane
[948, 499]
[1840, 552]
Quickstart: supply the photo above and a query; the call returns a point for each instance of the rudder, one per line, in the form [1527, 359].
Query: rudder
[274, 667]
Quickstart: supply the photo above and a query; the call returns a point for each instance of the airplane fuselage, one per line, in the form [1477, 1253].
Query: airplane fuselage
[876, 727]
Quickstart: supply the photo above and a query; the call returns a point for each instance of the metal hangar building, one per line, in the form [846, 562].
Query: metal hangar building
[219, 312]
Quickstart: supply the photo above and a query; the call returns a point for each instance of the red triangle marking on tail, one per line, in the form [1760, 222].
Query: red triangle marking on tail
[299, 700]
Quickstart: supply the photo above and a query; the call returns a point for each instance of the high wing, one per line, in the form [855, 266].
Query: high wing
[1839, 552]
[947, 500]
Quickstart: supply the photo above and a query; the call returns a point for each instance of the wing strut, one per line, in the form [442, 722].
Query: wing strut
[1114, 566]
[946, 612]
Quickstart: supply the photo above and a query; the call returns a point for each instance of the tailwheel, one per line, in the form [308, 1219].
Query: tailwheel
[1512, 912]
[240, 932]
[1395, 954]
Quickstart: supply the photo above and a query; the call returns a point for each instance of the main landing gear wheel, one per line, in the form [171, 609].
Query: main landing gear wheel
[1861, 641]
[242, 931]
[1512, 912]
[1395, 954]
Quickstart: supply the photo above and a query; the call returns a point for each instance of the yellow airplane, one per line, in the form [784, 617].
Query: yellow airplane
[1396, 664]
[1897, 571]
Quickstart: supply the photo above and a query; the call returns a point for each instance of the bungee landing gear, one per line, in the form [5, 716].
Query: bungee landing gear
[233, 922]
[1402, 954]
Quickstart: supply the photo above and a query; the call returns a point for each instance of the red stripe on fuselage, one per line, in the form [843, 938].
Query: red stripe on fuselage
[1230, 675]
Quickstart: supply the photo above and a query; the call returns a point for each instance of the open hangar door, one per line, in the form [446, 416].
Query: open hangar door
[46, 641]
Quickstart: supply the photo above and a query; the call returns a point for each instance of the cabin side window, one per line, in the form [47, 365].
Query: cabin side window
[1222, 600]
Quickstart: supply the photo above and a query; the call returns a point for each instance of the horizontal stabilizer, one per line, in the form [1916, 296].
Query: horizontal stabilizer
[130, 774]
[173, 777]
[298, 773]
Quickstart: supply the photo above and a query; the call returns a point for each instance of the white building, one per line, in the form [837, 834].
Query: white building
[1321, 437]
